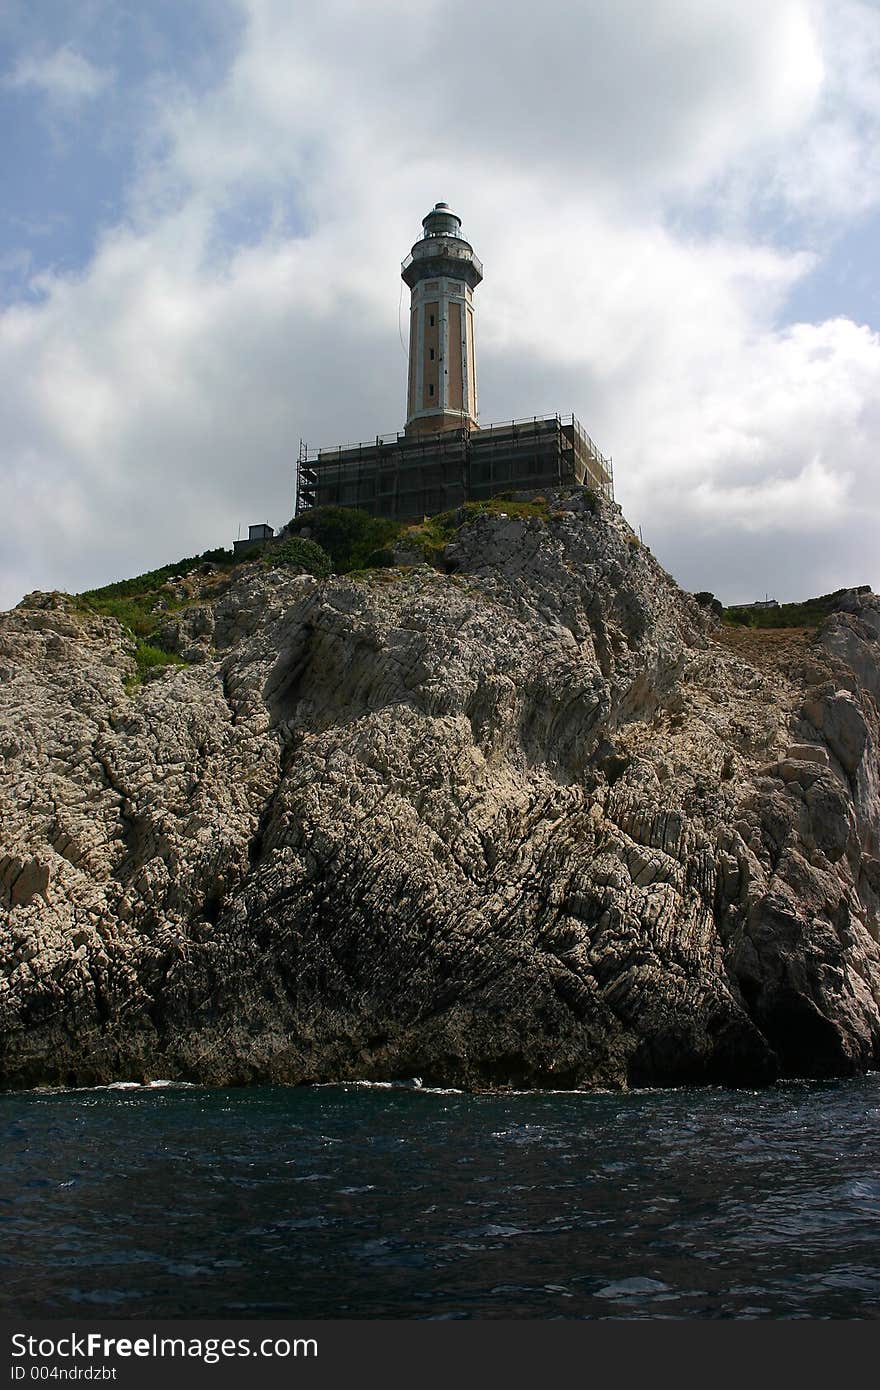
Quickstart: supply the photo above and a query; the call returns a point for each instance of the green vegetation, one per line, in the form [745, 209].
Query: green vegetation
[142, 603]
[356, 541]
[435, 532]
[430, 536]
[352, 538]
[810, 613]
[340, 540]
[301, 553]
[148, 658]
[133, 613]
[154, 579]
[706, 599]
[505, 505]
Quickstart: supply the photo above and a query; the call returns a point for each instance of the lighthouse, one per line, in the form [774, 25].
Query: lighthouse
[442, 273]
[443, 458]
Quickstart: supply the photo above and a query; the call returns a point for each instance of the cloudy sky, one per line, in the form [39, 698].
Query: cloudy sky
[206, 203]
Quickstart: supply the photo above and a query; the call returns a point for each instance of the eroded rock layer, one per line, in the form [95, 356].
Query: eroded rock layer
[531, 821]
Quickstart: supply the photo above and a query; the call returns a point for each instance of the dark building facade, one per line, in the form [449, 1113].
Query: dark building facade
[409, 477]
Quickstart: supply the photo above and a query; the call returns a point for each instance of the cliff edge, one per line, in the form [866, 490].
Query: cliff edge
[534, 820]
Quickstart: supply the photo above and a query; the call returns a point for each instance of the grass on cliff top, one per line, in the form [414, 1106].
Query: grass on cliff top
[148, 659]
[435, 532]
[337, 540]
[358, 542]
[134, 602]
[154, 579]
[353, 539]
[809, 614]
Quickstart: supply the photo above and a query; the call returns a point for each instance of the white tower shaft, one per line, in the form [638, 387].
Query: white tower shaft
[442, 272]
[442, 379]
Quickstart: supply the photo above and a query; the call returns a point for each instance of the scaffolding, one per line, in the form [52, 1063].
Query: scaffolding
[408, 477]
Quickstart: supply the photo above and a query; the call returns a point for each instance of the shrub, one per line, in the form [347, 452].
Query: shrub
[505, 503]
[134, 613]
[349, 536]
[148, 658]
[301, 553]
[708, 600]
[383, 558]
[135, 603]
[810, 613]
[154, 579]
[739, 617]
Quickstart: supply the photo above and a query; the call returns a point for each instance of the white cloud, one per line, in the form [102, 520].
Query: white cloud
[65, 77]
[831, 170]
[660, 95]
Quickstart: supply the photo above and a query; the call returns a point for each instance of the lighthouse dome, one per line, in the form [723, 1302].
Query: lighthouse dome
[442, 221]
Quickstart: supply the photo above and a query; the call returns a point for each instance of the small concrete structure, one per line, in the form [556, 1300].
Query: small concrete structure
[257, 535]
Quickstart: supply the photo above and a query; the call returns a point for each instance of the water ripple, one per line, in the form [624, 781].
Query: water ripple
[380, 1200]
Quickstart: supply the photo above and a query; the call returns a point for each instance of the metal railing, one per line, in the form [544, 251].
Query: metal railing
[442, 246]
[551, 419]
[394, 436]
[591, 446]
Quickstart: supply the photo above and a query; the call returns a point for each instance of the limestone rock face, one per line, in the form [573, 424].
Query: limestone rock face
[532, 821]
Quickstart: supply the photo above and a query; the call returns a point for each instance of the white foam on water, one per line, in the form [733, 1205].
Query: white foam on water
[161, 1084]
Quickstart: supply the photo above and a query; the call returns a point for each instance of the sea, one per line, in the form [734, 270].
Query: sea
[403, 1201]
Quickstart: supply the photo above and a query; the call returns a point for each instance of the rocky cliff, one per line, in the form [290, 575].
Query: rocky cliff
[533, 820]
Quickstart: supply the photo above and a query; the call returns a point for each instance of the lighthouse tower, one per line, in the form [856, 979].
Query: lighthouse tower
[442, 272]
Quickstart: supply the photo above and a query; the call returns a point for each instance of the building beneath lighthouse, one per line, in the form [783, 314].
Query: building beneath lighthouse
[443, 457]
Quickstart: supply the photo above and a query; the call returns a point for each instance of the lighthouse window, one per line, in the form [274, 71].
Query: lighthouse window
[431, 389]
[432, 320]
[432, 354]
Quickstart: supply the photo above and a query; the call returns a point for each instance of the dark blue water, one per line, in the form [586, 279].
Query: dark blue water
[400, 1202]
